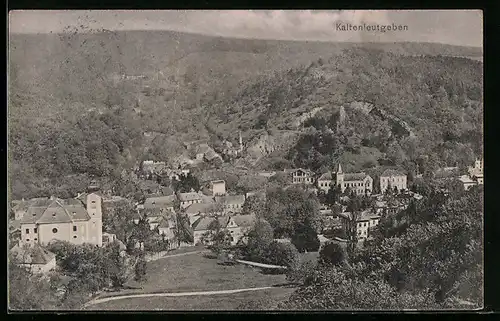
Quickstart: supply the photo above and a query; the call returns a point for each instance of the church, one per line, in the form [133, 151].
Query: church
[76, 221]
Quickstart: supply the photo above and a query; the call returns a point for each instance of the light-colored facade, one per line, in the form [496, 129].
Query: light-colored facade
[187, 199]
[365, 221]
[301, 176]
[360, 183]
[65, 220]
[391, 179]
[237, 226]
[218, 188]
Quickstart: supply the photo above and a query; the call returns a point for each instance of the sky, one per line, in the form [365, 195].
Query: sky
[456, 27]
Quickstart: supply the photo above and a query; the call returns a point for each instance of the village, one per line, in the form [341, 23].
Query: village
[171, 213]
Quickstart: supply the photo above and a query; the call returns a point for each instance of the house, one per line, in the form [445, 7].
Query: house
[300, 176]
[237, 226]
[166, 228]
[476, 172]
[195, 211]
[391, 179]
[22, 206]
[166, 203]
[212, 157]
[218, 187]
[108, 238]
[467, 181]
[34, 258]
[187, 199]
[151, 167]
[234, 203]
[325, 181]
[65, 220]
[200, 227]
[154, 216]
[364, 222]
[360, 183]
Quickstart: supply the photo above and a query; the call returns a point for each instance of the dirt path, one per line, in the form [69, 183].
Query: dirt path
[172, 294]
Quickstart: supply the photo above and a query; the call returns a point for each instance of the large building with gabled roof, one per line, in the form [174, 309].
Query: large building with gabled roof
[360, 183]
[76, 221]
[391, 179]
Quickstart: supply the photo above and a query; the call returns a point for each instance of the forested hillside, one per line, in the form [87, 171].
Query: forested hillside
[79, 103]
[419, 107]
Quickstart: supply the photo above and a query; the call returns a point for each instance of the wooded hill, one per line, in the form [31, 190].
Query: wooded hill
[75, 95]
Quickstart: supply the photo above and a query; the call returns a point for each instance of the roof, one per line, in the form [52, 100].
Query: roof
[202, 223]
[159, 202]
[365, 216]
[198, 208]
[293, 170]
[219, 181]
[354, 176]
[14, 225]
[234, 199]
[32, 254]
[244, 220]
[466, 179]
[56, 212]
[191, 196]
[211, 154]
[392, 172]
[166, 223]
[202, 149]
[325, 177]
[167, 191]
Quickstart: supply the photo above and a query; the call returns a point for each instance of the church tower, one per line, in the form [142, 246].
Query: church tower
[339, 177]
[94, 225]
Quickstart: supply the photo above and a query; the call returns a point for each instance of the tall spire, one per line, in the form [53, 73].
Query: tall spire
[339, 169]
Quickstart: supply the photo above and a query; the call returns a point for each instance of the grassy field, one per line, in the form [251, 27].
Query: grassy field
[197, 273]
[215, 302]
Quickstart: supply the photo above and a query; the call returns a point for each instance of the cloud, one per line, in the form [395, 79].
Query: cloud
[448, 26]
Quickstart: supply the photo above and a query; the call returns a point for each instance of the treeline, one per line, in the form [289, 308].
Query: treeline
[96, 144]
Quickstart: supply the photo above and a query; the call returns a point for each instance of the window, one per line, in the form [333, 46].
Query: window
[35, 230]
[54, 230]
[74, 236]
[36, 239]
[74, 228]
[93, 202]
[27, 231]
[27, 240]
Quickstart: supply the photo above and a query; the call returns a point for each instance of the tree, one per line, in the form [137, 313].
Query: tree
[259, 238]
[140, 269]
[283, 254]
[332, 254]
[305, 237]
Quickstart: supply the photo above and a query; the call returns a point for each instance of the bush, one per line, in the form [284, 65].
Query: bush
[332, 254]
[284, 254]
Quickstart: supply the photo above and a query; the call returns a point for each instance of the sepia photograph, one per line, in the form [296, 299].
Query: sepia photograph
[245, 160]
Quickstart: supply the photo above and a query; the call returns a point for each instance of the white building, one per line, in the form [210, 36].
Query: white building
[391, 179]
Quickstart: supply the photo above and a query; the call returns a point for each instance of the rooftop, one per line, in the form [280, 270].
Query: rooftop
[392, 172]
[191, 196]
[32, 254]
[365, 216]
[244, 220]
[325, 177]
[354, 176]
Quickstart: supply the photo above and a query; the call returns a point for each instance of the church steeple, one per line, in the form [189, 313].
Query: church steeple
[339, 169]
